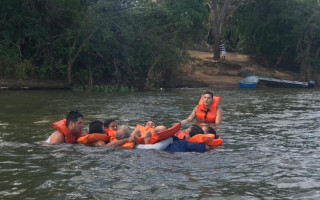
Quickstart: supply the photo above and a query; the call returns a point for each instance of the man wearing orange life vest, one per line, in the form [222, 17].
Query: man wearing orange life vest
[207, 110]
[73, 125]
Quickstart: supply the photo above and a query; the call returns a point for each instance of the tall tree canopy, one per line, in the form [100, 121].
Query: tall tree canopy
[279, 32]
[95, 42]
[141, 43]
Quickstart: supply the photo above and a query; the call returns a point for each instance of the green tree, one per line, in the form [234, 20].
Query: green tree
[136, 43]
[36, 32]
[279, 32]
[308, 45]
[139, 43]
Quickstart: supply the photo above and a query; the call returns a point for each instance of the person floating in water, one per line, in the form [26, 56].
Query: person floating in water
[151, 124]
[68, 130]
[123, 135]
[182, 145]
[210, 130]
[207, 110]
[111, 124]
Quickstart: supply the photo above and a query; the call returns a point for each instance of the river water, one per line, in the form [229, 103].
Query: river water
[271, 145]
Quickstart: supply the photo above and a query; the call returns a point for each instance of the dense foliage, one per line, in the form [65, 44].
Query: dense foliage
[141, 43]
[135, 43]
[280, 33]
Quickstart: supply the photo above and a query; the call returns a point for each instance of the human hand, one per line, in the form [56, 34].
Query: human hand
[98, 143]
[133, 139]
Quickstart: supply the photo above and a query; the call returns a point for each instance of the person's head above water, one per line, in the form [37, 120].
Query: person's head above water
[208, 129]
[123, 132]
[111, 124]
[207, 98]
[96, 126]
[209, 93]
[151, 124]
[74, 122]
[193, 130]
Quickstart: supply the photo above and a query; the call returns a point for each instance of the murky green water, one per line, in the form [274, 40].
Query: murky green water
[270, 151]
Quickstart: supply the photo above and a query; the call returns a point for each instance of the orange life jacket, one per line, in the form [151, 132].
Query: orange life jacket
[111, 133]
[162, 135]
[181, 134]
[144, 129]
[207, 115]
[93, 137]
[62, 128]
[207, 139]
[129, 145]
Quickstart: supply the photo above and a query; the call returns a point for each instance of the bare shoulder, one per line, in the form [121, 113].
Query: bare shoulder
[56, 138]
[195, 108]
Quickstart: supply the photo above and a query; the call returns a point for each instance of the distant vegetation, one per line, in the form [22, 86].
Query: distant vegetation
[139, 44]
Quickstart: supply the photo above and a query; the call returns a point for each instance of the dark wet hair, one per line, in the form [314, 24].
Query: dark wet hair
[210, 129]
[73, 116]
[96, 127]
[195, 129]
[108, 122]
[207, 92]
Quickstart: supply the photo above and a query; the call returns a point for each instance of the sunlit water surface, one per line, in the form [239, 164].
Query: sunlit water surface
[270, 147]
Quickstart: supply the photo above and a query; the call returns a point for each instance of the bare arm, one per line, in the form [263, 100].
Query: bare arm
[219, 116]
[191, 116]
[136, 132]
[98, 143]
[57, 138]
[122, 141]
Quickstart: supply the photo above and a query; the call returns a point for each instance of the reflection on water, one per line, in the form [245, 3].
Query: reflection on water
[270, 150]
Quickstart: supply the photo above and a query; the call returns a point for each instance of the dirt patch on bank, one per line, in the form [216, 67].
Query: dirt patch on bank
[202, 71]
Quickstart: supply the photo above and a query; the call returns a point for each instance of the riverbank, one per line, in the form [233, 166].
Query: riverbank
[34, 84]
[202, 71]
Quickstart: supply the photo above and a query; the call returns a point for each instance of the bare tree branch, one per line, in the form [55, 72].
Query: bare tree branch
[72, 59]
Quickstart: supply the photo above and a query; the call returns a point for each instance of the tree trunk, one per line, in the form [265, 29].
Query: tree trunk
[216, 44]
[72, 59]
[218, 20]
[303, 47]
[303, 69]
[280, 59]
[150, 76]
[116, 70]
[305, 44]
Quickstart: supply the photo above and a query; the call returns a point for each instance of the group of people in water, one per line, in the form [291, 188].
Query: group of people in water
[199, 137]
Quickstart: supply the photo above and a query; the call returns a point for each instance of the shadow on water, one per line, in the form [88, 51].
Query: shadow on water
[270, 148]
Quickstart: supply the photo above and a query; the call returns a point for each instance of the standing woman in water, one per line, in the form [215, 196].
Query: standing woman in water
[207, 110]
